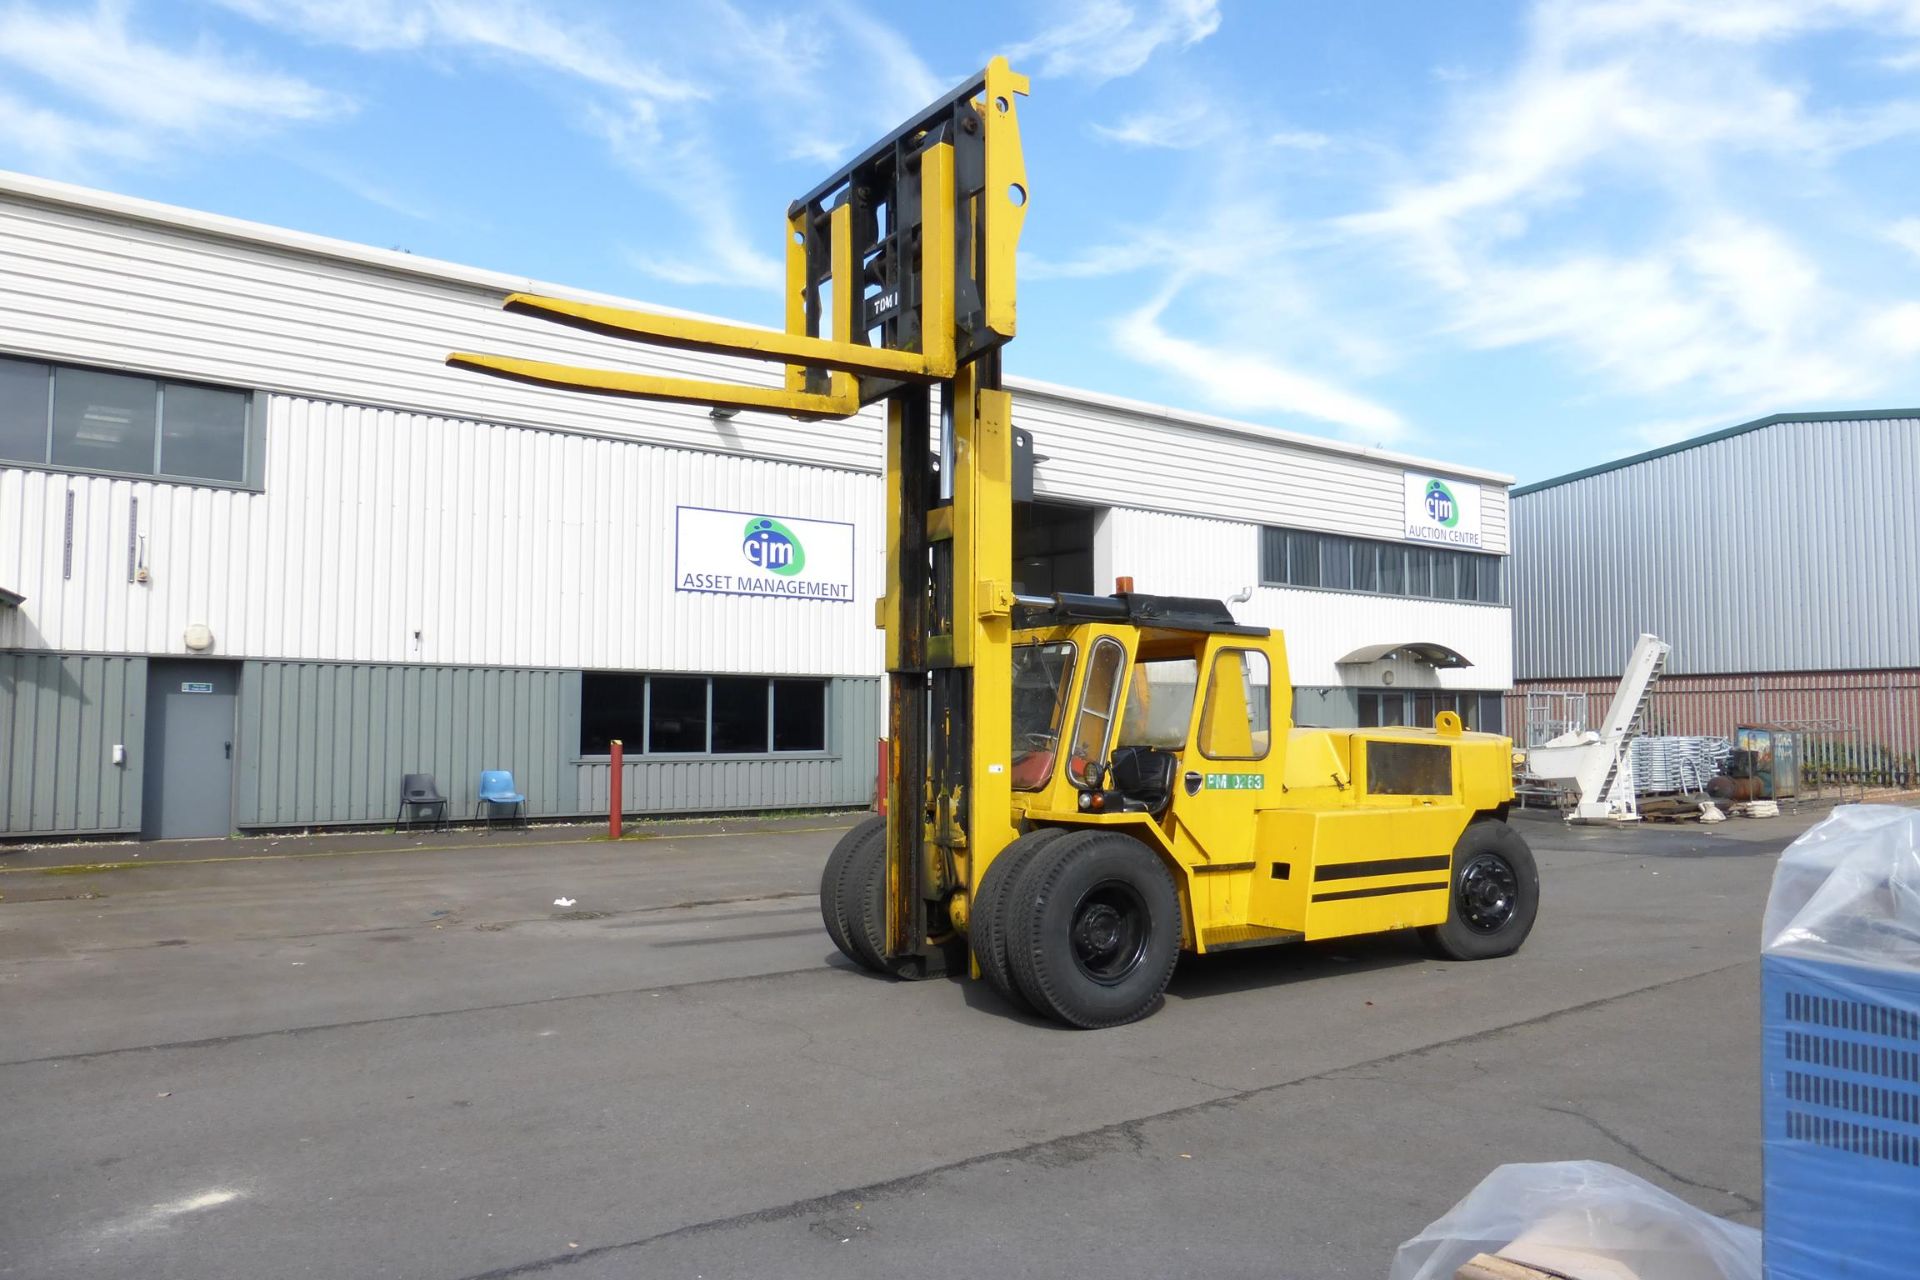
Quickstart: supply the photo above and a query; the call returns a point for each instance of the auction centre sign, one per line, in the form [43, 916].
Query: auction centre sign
[1444, 511]
[753, 553]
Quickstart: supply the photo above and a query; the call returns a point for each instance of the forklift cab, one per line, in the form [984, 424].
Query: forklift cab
[1161, 717]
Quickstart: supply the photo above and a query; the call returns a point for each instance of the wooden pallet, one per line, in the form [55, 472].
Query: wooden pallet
[1484, 1266]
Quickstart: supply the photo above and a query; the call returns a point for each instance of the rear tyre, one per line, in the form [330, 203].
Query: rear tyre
[1093, 930]
[863, 903]
[832, 913]
[988, 932]
[1494, 897]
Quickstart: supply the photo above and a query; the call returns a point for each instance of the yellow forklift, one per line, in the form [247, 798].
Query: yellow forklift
[1080, 787]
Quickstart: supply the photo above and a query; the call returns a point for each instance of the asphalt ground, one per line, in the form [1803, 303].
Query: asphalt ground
[397, 1056]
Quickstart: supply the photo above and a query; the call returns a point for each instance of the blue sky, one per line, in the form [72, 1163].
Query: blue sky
[1529, 237]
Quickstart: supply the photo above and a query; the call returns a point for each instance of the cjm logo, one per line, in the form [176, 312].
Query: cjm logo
[1442, 509]
[771, 546]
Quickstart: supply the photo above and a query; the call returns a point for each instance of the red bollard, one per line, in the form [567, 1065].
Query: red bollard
[618, 763]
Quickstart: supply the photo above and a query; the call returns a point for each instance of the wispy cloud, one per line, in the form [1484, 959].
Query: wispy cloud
[1180, 129]
[58, 143]
[1197, 118]
[684, 169]
[1299, 140]
[1241, 380]
[904, 82]
[1700, 298]
[1905, 232]
[120, 97]
[667, 118]
[345, 175]
[513, 30]
[1107, 39]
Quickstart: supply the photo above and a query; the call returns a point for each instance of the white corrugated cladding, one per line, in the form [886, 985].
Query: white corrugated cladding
[499, 545]
[92, 277]
[1788, 547]
[517, 525]
[147, 288]
[1184, 555]
[1105, 451]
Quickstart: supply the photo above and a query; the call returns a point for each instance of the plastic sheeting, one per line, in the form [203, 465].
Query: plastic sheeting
[1848, 891]
[1840, 982]
[1584, 1220]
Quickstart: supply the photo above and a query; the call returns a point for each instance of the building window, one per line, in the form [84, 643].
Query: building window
[1386, 708]
[672, 715]
[1334, 562]
[78, 419]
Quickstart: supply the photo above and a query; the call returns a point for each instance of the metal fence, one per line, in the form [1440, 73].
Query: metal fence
[1858, 729]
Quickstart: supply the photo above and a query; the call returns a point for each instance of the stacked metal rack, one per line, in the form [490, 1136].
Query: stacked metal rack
[1676, 765]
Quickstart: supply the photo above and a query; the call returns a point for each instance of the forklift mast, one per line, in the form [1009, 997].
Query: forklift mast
[899, 290]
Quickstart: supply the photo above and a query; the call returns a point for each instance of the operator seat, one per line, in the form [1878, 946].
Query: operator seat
[1144, 778]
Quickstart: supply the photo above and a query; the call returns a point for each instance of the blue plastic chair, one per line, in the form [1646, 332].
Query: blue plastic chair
[496, 789]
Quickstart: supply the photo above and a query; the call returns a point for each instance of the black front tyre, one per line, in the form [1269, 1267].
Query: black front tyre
[988, 931]
[1093, 930]
[849, 906]
[1494, 897]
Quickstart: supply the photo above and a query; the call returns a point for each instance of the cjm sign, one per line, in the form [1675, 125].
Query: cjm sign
[758, 553]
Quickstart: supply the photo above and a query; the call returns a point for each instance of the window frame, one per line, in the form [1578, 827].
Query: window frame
[1310, 560]
[642, 749]
[253, 437]
[1199, 735]
[1115, 695]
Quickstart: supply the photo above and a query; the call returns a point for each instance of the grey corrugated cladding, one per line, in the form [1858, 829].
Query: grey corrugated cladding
[1787, 544]
[325, 743]
[60, 717]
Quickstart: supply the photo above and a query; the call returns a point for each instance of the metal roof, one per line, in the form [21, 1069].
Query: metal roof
[396, 262]
[1725, 433]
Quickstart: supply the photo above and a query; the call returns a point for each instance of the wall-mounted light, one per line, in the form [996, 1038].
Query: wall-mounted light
[719, 414]
[198, 637]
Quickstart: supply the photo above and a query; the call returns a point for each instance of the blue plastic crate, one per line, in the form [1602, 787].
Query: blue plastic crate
[1842, 1099]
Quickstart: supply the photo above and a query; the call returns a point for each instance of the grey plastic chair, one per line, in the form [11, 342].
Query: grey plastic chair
[419, 791]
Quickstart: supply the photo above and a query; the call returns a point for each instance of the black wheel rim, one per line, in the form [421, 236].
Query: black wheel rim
[1109, 932]
[1489, 893]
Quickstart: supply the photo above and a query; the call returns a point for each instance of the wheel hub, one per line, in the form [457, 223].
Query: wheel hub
[1489, 893]
[1109, 932]
[1099, 931]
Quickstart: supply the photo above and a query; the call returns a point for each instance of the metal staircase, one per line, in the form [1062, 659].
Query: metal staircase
[1617, 789]
[1599, 764]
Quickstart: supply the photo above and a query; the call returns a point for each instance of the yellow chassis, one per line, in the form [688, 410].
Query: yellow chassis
[1302, 845]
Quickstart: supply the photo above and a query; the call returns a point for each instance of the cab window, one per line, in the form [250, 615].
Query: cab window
[1234, 721]
[1098, 704]
[1160, 704]
[1042, 678]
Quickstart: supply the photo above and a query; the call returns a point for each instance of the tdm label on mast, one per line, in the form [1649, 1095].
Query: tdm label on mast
[758, 553]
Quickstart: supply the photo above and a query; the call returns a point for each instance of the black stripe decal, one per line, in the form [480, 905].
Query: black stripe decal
[1379, 893]
[1214, 868]
[1381, 867]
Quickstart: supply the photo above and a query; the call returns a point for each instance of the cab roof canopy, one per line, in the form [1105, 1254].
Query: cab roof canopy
[1166, 613]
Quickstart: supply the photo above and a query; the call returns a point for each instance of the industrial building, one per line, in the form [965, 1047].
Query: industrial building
[1777, 558]
[262, 552]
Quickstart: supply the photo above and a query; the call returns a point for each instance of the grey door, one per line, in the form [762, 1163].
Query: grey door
[189, 766]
